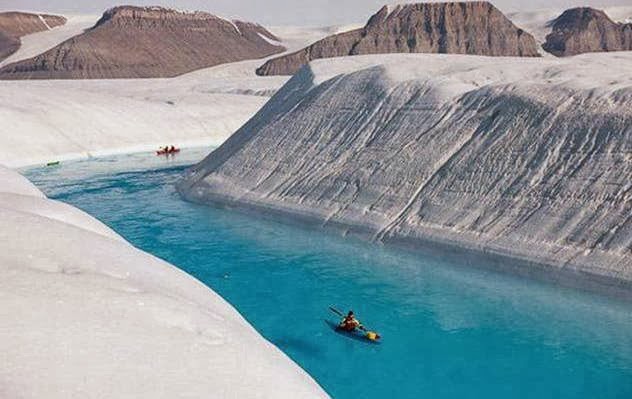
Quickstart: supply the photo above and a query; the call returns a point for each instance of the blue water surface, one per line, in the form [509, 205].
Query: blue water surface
[448, 331]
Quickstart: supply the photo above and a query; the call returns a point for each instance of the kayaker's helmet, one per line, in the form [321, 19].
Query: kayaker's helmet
[350, 313]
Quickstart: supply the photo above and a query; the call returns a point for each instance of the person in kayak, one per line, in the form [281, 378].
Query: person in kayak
[350, 323]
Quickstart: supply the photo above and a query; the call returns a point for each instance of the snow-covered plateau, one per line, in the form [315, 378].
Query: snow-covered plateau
[86, 315]
[523, 159]
[56, 120]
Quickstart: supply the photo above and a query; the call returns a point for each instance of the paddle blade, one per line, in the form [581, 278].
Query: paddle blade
[336, 311]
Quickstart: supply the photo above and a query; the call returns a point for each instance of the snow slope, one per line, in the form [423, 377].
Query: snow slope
[523, 158]
[56, 120]
[86, 315]
[15, 183]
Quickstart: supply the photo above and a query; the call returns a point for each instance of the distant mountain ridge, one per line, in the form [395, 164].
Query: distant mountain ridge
[453, 28]
[145, 42]
[14, 24]
[586, 30]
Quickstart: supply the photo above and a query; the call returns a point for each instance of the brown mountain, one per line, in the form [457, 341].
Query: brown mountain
[14, 25]
[135, 42]
[455, 28]
[8, 45]
[585, 30]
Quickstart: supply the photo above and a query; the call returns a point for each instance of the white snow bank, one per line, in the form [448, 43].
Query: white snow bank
[47, 121]
[41, 18]
[457, 74]
[55, 210]
[269, 40]
[85, 314]
[15, 183]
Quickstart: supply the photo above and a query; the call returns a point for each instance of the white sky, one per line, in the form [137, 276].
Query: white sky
[279, 12]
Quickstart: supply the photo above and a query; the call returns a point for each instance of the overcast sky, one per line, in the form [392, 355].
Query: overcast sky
[277, 12]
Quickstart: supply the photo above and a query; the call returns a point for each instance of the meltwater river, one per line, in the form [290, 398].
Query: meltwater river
[448, 331]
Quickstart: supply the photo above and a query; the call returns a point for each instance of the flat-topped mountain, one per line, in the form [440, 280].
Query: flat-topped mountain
[453, 28]
[585, 30]
[144, 42]
[14, 25]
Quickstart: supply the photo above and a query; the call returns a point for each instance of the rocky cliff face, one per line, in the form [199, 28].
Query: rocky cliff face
[523, 158]
[453, 28]
[586, 30]
[14, 25]
[135, 42]
[8, 45]
[18, 24]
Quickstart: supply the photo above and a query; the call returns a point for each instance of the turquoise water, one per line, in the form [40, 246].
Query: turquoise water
[448, 331]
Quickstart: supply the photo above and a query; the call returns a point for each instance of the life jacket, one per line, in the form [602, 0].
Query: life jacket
[349, 323]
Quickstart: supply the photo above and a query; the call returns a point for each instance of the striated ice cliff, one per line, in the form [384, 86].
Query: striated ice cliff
[527, 159]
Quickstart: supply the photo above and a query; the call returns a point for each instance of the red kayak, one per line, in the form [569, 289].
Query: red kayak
[167, 152]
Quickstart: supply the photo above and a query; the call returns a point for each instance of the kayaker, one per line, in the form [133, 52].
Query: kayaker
[349, 323]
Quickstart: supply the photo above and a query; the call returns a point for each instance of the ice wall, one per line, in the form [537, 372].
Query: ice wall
[525, 158]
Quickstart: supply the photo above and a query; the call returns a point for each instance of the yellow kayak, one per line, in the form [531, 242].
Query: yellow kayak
[368, 336]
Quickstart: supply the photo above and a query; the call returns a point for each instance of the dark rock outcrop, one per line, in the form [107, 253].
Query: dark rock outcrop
[144, 42]
[8, 45]
[586, 30]
[14, 25]
[455, 28]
